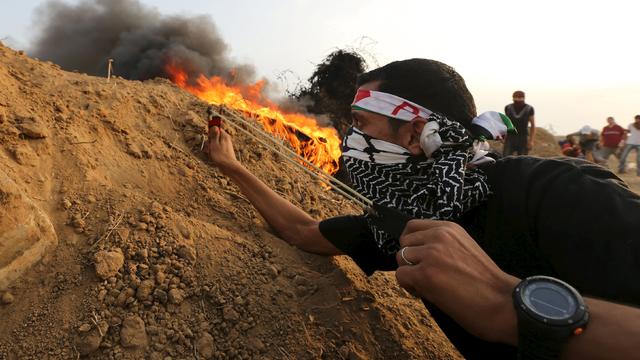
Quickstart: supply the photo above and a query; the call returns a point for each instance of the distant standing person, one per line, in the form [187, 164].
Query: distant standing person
[633, 142]
[610, 141]
[521, 114]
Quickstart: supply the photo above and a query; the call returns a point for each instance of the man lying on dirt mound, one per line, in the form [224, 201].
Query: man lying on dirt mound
[416, 146]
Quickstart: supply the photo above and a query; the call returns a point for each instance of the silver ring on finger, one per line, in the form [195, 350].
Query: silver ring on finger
[404, 258]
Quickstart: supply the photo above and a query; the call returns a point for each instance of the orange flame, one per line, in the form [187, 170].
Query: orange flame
[322, 148]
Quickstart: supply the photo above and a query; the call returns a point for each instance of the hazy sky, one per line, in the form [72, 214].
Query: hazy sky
[575, 60]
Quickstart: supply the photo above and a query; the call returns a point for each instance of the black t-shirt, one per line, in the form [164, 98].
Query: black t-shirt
[564, 217]
[520, 119]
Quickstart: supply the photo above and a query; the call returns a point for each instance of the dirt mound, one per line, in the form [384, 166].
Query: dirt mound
[157, 255]
[544, 144]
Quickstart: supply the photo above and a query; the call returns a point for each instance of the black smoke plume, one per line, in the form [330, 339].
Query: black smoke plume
[84, 36]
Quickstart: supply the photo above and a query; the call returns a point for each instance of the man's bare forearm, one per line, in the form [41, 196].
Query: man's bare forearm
[282, 215]
[292, 224]
[613, 332]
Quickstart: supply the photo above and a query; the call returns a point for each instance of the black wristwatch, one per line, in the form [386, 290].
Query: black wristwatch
[549, 311]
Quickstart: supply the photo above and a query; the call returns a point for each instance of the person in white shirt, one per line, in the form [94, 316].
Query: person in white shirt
[633, 142]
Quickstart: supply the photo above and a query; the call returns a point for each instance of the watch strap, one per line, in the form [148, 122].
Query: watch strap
[534, 345]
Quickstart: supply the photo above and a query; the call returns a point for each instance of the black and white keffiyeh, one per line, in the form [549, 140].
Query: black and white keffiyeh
[440, 186]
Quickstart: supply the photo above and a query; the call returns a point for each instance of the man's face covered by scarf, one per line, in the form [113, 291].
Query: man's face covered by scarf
[377, 126]
[518, 100]
[435, 183]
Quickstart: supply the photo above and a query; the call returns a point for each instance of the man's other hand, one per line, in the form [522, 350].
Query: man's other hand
[451, 271]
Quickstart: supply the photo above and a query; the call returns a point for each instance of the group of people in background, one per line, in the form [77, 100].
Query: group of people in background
[588, 143]
[598, 146]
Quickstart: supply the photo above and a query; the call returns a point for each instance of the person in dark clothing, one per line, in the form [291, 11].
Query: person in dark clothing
[521, 114]
[514, 208]
[526, 229]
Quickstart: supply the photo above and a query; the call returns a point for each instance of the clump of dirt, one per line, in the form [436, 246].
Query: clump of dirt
[331, 87]
[153, 253]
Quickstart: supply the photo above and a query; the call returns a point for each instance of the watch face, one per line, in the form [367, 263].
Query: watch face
[549, 300]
